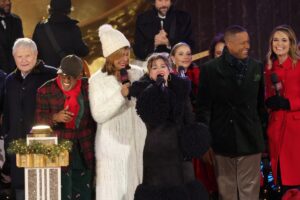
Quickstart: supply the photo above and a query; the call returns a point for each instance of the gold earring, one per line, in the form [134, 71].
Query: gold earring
[169, 77]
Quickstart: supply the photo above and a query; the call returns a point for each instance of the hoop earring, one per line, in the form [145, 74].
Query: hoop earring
[169, 78]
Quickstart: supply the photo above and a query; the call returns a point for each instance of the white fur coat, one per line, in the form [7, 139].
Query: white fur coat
[120, 137]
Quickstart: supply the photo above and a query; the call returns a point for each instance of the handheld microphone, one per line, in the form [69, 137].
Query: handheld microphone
[160, 81]
[3, 23]
[276, 83]
[124, 78]
[161, 24]
[181, 71]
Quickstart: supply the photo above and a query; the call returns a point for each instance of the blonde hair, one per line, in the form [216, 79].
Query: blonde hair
[293, 51]
[109, 66]
[156, 56]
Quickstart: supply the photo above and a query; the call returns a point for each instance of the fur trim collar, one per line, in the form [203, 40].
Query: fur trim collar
[181, 87]
[169, 103]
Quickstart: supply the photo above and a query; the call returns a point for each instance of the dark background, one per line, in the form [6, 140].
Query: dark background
[259, 17]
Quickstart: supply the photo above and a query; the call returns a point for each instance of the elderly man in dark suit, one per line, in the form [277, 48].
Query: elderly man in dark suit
[19, 101]
[230, 98]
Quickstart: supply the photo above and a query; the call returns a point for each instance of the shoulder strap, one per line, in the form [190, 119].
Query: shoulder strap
[53, 41]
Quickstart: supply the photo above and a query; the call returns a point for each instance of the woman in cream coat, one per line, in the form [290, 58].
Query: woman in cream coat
[120, 132]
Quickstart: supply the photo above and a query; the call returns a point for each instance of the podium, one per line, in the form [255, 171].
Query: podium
[42, 172]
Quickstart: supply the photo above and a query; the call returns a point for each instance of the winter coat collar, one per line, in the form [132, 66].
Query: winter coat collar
[229, 63]
[233, 61]
[166, 104]
[181, 87]
[37, 69]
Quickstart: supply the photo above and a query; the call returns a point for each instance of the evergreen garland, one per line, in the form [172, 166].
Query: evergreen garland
[20, 147]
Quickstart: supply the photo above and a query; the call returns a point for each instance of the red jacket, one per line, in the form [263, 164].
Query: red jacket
[284, 125]
[193, 72]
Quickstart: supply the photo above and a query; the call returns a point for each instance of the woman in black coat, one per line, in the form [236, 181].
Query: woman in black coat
[173, 136]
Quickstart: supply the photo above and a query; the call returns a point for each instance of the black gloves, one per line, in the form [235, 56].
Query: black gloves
[277, 102]
[160, 80]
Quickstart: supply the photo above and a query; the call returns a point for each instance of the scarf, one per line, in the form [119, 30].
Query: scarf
[71, 101]
[240, 66]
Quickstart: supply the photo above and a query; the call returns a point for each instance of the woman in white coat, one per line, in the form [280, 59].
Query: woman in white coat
[120, 132]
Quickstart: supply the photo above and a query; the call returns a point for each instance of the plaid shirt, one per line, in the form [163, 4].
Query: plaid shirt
[50, 100]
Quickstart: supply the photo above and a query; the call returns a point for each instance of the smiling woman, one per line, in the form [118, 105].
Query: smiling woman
[116, 61]
[120, 133]
[282, 75]
[281, 45]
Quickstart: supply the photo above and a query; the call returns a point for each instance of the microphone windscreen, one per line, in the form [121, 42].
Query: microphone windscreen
[160, 80]
[123, 72]
[123, 75]
[181, 69]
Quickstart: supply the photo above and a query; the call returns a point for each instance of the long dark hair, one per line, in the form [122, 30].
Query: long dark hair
[219, 37]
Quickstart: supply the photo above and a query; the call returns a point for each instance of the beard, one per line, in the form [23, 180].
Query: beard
[4, 11]
[163, 10]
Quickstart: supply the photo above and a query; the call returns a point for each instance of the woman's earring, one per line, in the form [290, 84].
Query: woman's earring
[169, 78]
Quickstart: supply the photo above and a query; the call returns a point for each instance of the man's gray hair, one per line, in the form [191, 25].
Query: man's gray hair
[24, 42]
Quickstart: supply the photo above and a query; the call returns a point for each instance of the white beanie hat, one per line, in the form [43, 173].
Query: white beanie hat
[111, 39]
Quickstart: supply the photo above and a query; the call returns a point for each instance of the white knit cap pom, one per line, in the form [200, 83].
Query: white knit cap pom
[111, 39]
[104, 28]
